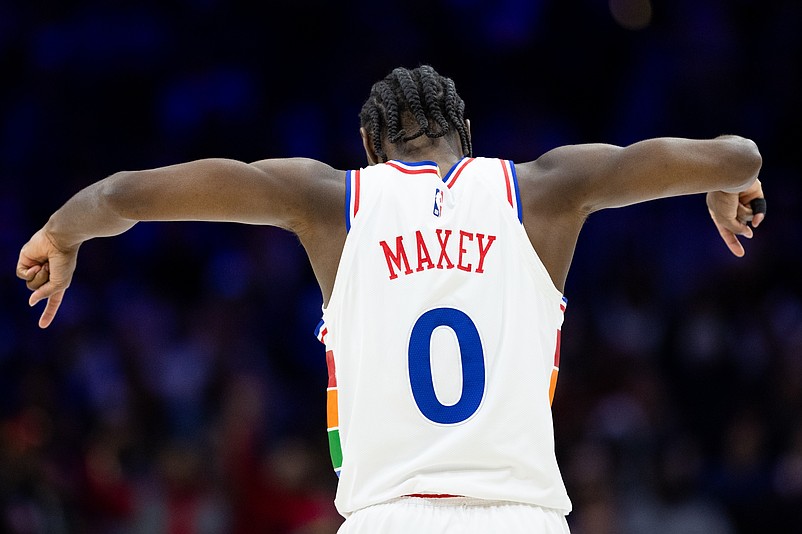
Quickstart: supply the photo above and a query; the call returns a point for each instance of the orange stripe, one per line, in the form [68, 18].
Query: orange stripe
[332, 414]
[553, 385]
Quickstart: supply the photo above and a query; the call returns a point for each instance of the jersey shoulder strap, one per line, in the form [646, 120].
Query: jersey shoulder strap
[498, 174]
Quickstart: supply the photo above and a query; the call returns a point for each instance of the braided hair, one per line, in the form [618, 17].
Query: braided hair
[422, 97]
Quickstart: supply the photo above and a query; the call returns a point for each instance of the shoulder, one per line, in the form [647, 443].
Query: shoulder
[565, 177]
[311, 191]
[570, 161]
[300, 172]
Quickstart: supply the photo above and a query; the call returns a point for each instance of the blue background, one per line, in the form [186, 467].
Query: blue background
[181, 389]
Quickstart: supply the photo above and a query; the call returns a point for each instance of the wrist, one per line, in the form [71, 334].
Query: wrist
[58, 236]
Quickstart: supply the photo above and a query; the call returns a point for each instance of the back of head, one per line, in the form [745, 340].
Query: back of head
[410, 103]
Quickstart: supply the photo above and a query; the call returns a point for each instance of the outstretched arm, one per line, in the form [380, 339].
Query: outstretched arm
[288, 193]
[565, 185]
[598, 176]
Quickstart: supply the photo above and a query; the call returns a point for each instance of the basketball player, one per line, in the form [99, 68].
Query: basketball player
[442, 276]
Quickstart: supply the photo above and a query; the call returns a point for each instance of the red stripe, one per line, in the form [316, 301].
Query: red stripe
[507, 179]
[557, 350]
[456, 174]
[356, 192]
[412, 171]
[330, 367]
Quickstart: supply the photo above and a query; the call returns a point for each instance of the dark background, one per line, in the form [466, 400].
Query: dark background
[181, 390]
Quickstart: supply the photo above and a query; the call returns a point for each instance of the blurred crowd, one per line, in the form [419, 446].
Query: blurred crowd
[181, 389]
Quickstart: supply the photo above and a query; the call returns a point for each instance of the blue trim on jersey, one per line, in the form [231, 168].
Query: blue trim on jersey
[319, 327]
[348, 201]
[452, 169]
[517, 191]
[417, 163]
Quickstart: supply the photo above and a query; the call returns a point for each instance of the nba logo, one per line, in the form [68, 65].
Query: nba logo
[438, 203]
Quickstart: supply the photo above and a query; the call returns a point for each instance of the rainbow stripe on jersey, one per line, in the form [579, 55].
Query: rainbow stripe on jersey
[332, 410]
[555, 370]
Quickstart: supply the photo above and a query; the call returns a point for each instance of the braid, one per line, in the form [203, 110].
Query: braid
[431, 98]
[376, 133]
[423, 94]
[455, 107]
[390, 115]
[412, 97]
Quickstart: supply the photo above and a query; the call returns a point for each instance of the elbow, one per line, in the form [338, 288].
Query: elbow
[746, 162]
[750, 154]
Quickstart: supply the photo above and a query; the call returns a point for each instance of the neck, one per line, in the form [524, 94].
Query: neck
[442, 151]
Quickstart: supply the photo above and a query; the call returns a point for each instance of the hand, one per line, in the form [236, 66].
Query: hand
[730, 213]
[47, 271]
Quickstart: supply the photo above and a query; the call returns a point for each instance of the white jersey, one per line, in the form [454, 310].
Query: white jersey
[442, 341]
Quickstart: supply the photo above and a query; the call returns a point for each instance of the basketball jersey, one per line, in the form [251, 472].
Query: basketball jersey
[442, 340]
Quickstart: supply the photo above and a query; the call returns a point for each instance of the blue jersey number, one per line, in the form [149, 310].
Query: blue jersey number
[420, 366]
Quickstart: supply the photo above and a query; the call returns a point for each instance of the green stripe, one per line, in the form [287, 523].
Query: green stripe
[335, 449]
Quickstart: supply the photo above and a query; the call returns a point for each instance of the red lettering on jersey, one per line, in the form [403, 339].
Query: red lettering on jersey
[471, 250]
[462, 235]
[423, 253]
[399, 256]
[443, 253]
[483, 250]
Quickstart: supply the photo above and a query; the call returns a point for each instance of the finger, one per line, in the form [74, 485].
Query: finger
[46, 291]
[25, 261]
[744, 214]
[730, 239]
[734, 226]
[732, 242]
[758, 206]
[754, 191]
[51, 308]
[39, 279]
[27, 272]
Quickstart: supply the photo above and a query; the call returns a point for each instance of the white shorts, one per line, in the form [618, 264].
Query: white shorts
[457, 515]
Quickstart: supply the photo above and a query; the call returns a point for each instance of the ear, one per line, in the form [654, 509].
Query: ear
[373, 159]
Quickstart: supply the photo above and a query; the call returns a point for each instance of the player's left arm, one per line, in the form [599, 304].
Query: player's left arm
[592, 177]
[732, 211]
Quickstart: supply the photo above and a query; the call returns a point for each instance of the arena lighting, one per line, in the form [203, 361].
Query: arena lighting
[632, 14]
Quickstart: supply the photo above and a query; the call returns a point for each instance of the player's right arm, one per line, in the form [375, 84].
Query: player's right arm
[292, 193]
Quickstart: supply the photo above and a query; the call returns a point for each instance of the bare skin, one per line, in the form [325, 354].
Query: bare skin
[559, 191]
